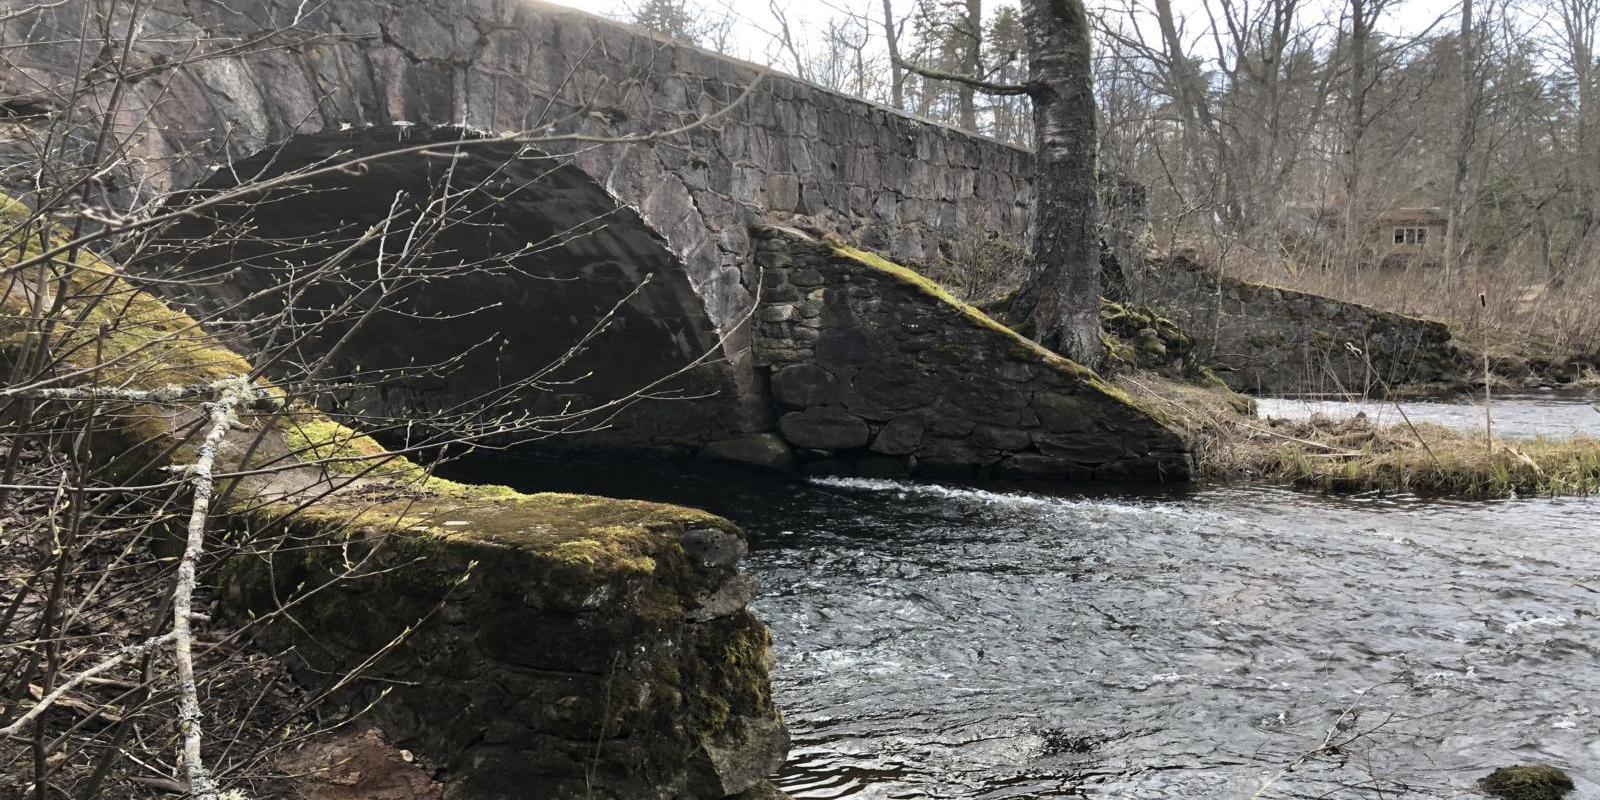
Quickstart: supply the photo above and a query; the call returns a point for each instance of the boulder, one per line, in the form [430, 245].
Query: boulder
[824, 428]
[765, 450]
[1527, 782]
[900, 437]
[803, 385]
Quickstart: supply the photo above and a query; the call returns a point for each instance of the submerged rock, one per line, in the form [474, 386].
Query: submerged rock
[1527, 782]
[765, 450]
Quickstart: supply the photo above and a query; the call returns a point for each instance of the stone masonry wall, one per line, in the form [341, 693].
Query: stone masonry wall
[1268, 340]
[875, 370]
[895, 184]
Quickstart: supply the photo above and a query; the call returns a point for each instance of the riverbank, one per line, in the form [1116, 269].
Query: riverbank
[1359, 455]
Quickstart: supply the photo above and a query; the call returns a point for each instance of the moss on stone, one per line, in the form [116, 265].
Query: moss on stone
[736, 676]
[145, 344]
[129, 338]
[1028, 348]
[1528, 782]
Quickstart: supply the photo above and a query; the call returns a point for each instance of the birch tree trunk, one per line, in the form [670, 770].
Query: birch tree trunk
[1065, 284]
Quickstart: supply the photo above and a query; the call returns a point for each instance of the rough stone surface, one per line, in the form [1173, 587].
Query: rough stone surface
[896, 184]
[824, 428]
[490, 330]
[788, 151]
[800, 385]
[619, 663]
[900, 436]
[546, 645]
[895, 378]
[765, 450]
[1269, 340]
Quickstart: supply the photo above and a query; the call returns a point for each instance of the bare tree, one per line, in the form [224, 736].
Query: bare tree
[120, 415]
[891, 36]
[1466, 132]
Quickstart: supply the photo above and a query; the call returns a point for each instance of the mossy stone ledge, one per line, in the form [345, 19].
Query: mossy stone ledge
[547, 645]
[875, 369]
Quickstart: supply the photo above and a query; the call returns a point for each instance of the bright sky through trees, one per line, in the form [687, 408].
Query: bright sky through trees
[755, 28]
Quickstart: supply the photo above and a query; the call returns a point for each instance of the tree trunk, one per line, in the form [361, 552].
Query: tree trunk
[897, 77]
[973, 66]
[1458, 191]
[1064, 289]
[1355, 224]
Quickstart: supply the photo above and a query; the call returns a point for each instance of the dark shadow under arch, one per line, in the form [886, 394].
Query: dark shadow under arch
[525, 256]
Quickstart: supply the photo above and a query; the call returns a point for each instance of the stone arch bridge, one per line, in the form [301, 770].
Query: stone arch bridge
[757, 343]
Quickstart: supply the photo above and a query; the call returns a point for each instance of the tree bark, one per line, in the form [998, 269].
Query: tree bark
[1363, 13]
[897, 77]
[1064, 288]
[1458, 191]
[973, 66]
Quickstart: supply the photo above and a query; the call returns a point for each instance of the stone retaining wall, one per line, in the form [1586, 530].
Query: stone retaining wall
[876, 370]
[1268, 340]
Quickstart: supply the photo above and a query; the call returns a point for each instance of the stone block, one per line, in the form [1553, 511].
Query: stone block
[900, 436]
[824, 428]
[1036, 465]
[1079, 448]
[939, 452]
[765, 450]
[1061, 413]
[783, 192]
[1001, 438]
[778, 313]
[806, 278]
[895, 385]
[803, 385]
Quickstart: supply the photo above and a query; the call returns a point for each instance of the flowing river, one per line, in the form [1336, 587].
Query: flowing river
[939, 641]
[1520, 415]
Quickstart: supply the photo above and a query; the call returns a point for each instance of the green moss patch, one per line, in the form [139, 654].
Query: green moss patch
[139, 342]
[1534, 782]
[1026, 347]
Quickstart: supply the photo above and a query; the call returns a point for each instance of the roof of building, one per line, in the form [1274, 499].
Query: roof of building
[1434, 215]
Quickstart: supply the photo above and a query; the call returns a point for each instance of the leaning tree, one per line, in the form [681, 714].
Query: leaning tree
[1061, 299]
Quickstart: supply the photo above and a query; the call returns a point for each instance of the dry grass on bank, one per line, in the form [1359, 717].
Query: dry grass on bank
[1357, 456]
[1354, 456]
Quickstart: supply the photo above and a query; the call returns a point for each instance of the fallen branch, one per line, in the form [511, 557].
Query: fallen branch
[55, 696]
[233, 393]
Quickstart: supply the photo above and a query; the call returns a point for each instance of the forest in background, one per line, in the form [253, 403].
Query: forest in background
[1277, 138]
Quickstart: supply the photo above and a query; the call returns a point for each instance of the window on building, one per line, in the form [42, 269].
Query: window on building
[1410, 235]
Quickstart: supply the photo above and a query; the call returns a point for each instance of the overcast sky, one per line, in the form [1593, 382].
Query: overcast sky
[755, 27]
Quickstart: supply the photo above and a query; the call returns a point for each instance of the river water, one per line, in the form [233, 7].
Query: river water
[1523, 415]
[941, 641]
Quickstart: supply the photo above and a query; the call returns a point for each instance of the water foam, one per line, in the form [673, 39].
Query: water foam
[963, 494]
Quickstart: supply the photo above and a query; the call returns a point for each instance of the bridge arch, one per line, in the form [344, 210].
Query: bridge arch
[489, 278]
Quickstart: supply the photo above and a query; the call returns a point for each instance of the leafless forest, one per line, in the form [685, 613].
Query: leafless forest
[1280, 138]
